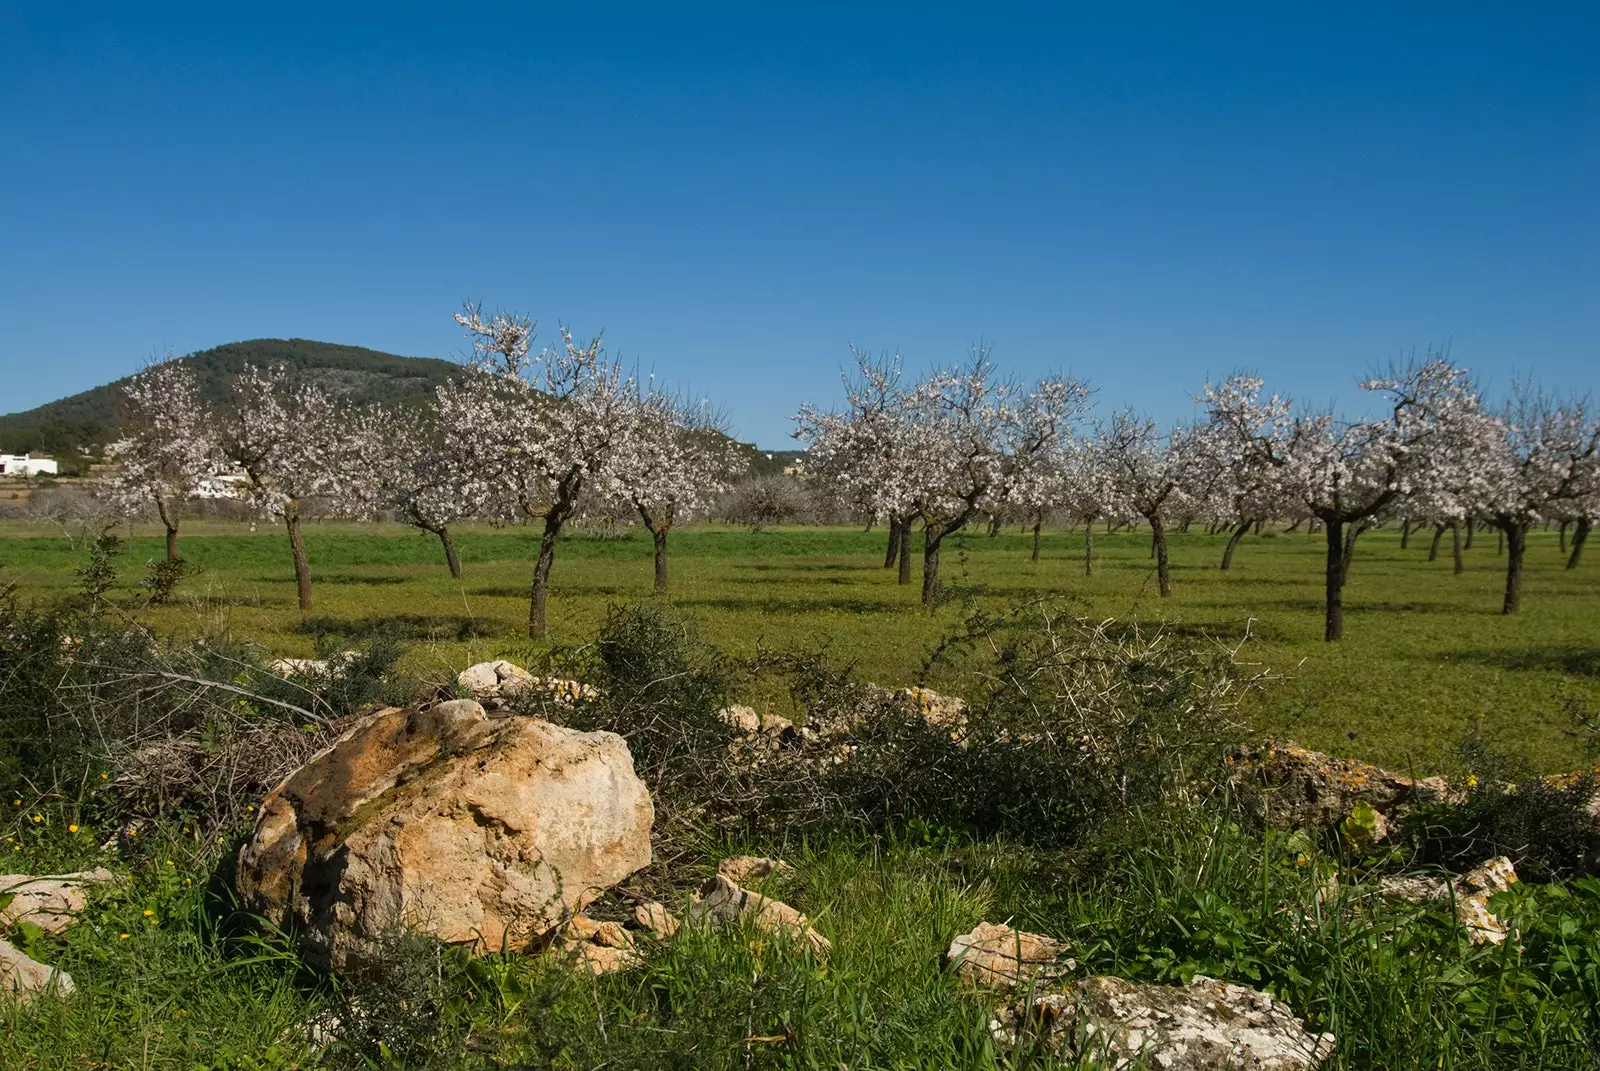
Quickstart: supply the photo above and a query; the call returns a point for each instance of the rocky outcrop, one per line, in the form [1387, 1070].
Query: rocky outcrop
[1292, 787]
[23, 977]
[486, 832]
[502, 680]
[722, 903]
[994, 954]
[1204, 1026]
[1470, 894]
[744, 869]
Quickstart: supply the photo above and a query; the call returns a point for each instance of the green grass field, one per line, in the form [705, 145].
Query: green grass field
[1426, 657]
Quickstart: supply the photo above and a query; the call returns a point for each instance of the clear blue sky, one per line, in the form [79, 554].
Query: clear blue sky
[1142, 194]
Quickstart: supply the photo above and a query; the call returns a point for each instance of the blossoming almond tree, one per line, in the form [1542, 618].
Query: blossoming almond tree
[678, 461]
[1155, 474]
[170, 445]
[292, 440]
[413, 472]
[548, 427]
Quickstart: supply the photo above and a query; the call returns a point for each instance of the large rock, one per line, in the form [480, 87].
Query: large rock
[481, 831]
[502, 680]
[50, 903]
[1292, 787]
[23, 977]
[1469, 893]
[1204, 1026]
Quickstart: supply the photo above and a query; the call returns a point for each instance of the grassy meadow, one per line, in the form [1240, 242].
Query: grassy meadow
[1427, 656]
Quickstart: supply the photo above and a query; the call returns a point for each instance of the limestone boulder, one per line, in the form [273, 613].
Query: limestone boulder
[50, 903]
[1292, 787]
[482, 831]
[23, 977]
[1469, 893]
[723, 903]
[994, 954]
[1204, 1026]
[747, 869]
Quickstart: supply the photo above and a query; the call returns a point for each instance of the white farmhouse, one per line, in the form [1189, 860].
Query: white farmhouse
[23, 465]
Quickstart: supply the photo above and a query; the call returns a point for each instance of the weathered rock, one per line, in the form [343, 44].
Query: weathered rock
[502, 680]
[50, 902]
[1470, 893]
[654, 918]
[291, 667]
[482, 832]
[23, 977]
[743, 869]
[1297, 788]
[994, 954]
[741, 719]
[724, 903]
[601, 947]
[1202, 1026]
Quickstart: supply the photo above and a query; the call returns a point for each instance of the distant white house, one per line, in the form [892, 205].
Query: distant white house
[223, 485]
[23, 465]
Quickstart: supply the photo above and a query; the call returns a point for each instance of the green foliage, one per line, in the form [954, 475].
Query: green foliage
[163, 575]
[98, 576]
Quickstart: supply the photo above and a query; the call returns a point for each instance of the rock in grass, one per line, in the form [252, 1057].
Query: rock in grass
[484, 832]
[1204, 1026]
[600, 947]
[23, 977]
[723, 903]
[51, 902]
[654, 918]
[993, 954]
[1470, 892]
[1292, 787]
[744, 869]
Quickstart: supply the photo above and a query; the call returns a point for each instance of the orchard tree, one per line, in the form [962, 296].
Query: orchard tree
[1541, 464]
[1088, 491]
[412, 471]
[294, 442]
[170, 446]
[1245, 489]
[1154, 473]
[678, 461]
[548, 427]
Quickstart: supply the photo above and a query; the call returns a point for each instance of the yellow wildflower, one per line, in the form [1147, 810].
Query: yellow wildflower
[148, 912]
[122, 937]
[72, 828]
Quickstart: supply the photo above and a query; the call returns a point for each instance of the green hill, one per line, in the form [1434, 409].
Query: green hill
[83, 422]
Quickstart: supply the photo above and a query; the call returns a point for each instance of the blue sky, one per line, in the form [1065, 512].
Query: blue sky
[1140, 194]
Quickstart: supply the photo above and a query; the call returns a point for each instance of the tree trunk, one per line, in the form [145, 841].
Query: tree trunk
[930, 566]
[1158, 533]
[1472, 526]
[1088, 547]
[660, 537]
[170, 521]
[172, 543]
[994, 525]
[1153, 541]
[905, 552]
[1580, 536]
[1333, 623]
[1352, 533]
[1293, 527]
[450, 557]
[1564, 536]
[1233, 541]
[302, 565]
[1405, 534]
[1037, 525]
[1183, 529]
[1499, 542]
[1517, 539]
[1455, 546]
[893, 551]
[1433, 548]
[538, 629]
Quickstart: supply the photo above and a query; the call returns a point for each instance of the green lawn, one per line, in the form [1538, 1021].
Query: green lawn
[1426, 654]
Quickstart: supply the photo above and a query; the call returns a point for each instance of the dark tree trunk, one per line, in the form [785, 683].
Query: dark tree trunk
[1293, 527]
[1153, 540]
[1158, 532]
[302, 565]
[1499, 542]
[1472, 526]
[1580, 536]
[893, 551]
[1333, 622]
[172, 543]
[1564, 536]
[994, 525]
[1259, 525]
[1405, 535]
[450, 557]
[169, 519]
[1433, 548]
[538, 627]
[930, 566]
[1351, 534]
[660, 537]
[1233, 541]
[1516, 537]
[1088, 547]
[1037, 527]
[1455, 546]
[905, 552]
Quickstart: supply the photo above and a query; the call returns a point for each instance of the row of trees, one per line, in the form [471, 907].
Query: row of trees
[943, 449]
[518, 435]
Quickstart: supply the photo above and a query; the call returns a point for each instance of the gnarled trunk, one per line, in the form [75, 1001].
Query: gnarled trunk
[1405, 534]
[1564, 536]
[905, 552]
[1433, 548]
[1233, 541]
[1037, 527]
[450, 557]
[1088, 546]
[1516, 540]
[1352, 533]
[1455, 546]
[538, 627]
[893, 550]
[1158, 536]
[1333, 617]
[1580, 536]
[169, 519]
[302, 564]
[1472, 526]
[659, 535]
[931, 538]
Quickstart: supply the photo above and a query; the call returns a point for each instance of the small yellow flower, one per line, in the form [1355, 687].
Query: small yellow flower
[72, 828]
[179, 1011]
[36, 818]
[17, 803]
[1301, 860]
[122, 937]
[102, 775]
[250, 809]
[169, 862]
[1472, 780]
[148, 912]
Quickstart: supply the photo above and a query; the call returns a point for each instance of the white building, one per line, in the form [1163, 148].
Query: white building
[223, 485]
[23, 465]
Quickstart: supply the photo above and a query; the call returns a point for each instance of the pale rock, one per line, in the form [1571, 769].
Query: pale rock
[994, 954]
[1470, 893]
[744, 869]
[601, 947]
[724, 903]
[50, 902]
[23, 977]
[741, 719]
[654, 918]
[480, 831]
[1204, 1026]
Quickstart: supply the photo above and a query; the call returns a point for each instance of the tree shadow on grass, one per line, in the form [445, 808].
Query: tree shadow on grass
[406, 626]
[798, 606]
[1576, 661]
